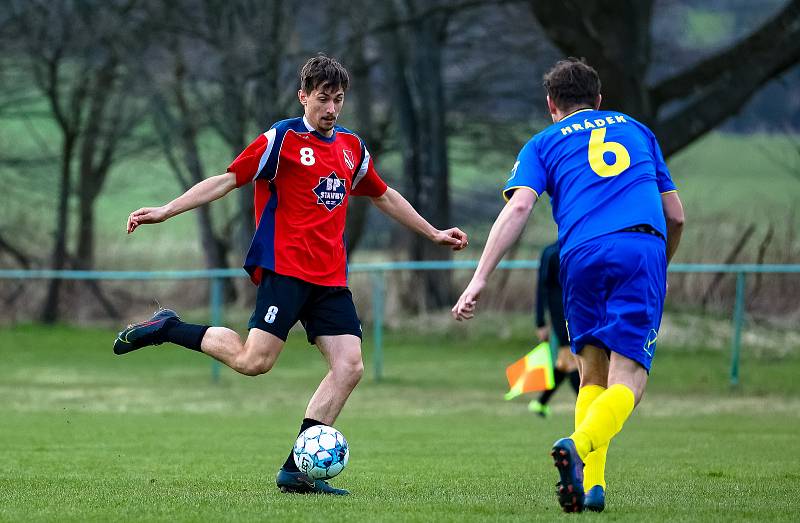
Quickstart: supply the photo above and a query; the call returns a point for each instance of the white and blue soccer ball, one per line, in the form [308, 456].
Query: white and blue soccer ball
[321, 452]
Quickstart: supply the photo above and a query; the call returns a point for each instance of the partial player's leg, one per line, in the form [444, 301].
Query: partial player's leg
[593, 367]
[564, 367]
[255, 356]
[278, 304]
[540, 405]
[345, 367]
[252, 357]
[605, 415]
[593, 383]
[333, 326]
[623, 372]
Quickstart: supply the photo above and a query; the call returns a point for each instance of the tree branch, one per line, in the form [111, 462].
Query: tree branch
[723, 98]
[773, 43]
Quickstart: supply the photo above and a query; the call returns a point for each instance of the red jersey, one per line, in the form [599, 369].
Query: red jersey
[302, 184]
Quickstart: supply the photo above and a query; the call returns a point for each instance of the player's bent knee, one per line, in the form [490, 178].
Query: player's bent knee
[254, 366]
[350, 371]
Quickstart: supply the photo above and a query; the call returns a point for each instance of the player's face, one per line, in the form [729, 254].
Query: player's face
[322, 107]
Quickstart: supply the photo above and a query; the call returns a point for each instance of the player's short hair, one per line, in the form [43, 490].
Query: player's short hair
[323, 72]
[572, 82]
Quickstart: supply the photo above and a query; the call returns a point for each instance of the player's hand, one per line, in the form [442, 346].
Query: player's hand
[454, 238]
[146, 215]
[464, 309]
[543, 333]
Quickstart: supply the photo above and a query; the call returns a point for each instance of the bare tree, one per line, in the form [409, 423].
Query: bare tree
[615, 37]
[253, 48]
[69, 48]
[414, 54]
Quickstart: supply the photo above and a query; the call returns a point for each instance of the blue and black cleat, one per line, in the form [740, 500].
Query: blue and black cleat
[298, 483]
[570, 468]
[595, 499]
[145, 333]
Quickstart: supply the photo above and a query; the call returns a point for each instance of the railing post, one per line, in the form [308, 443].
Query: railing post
[738, 319]
[215, 307]
[378, 291]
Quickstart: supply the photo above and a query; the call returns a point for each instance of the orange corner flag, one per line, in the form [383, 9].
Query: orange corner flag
[534, 372]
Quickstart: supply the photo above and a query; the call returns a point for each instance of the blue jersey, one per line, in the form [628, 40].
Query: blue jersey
[603, 170]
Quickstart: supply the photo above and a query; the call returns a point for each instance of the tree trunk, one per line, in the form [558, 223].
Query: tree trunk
[615, 38]
[358, 208]
[58, 257]
[85, 250]
[415, 55]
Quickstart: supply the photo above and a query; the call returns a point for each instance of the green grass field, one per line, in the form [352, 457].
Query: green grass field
[88, 436]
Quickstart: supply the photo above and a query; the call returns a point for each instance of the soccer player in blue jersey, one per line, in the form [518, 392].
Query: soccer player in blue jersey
[619, 223]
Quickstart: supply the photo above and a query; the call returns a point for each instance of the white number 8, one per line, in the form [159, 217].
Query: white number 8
[272, 312]
[307, 156]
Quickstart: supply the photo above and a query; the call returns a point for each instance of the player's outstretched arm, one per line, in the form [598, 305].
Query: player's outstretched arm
[395, 206]
[505, 231]
[673, 213]
[201, 193]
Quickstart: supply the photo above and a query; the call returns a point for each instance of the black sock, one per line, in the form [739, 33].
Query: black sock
[558, 377]
[575, 380]
[186, 335]
[307, 423]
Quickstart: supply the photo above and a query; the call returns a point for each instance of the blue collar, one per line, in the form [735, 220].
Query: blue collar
[319, 135]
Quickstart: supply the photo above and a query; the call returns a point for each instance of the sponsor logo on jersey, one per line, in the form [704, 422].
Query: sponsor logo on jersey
[330, 191]
[348, 159]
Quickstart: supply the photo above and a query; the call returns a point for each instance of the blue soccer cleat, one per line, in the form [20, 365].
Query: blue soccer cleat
[595, 499]
[298, 483]
[145, 333]
[570, 468]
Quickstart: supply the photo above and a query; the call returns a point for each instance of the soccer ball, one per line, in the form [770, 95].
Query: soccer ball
[321, 452]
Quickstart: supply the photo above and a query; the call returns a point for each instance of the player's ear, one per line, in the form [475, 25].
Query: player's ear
[301, 95]
[598, 101]
[551, 106]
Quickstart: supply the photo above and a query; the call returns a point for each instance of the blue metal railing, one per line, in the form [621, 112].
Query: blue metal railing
[377, 277]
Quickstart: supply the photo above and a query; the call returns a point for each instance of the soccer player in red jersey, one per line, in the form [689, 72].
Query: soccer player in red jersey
[304, 170]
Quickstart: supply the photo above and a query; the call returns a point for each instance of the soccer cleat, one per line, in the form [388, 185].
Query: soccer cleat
[539, 408]
[145, 333]
[298, 483]
[570, 468]
[595, 499]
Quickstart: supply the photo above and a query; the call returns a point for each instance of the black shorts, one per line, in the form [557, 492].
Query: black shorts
[323, 311]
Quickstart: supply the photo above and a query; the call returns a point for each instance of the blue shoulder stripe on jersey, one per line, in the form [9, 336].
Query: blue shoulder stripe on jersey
[271, 165]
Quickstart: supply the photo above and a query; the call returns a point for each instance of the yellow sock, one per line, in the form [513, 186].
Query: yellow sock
[604, 419]
[586, 395]
[595, 463]
[594, 468]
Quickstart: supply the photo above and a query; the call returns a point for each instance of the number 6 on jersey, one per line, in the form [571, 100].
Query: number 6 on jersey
[598, 147]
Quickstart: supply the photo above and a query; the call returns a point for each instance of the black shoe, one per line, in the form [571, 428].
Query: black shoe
[299, 483]
[146, 333]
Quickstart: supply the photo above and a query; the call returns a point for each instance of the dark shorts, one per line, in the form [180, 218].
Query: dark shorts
[324, 311]
[614, 290]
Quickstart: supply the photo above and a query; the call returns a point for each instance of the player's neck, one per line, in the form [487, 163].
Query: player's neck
[560, 115]
[311, 127]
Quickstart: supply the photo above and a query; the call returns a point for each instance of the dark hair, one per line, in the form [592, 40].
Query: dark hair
[323, 72]
[571, 83]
